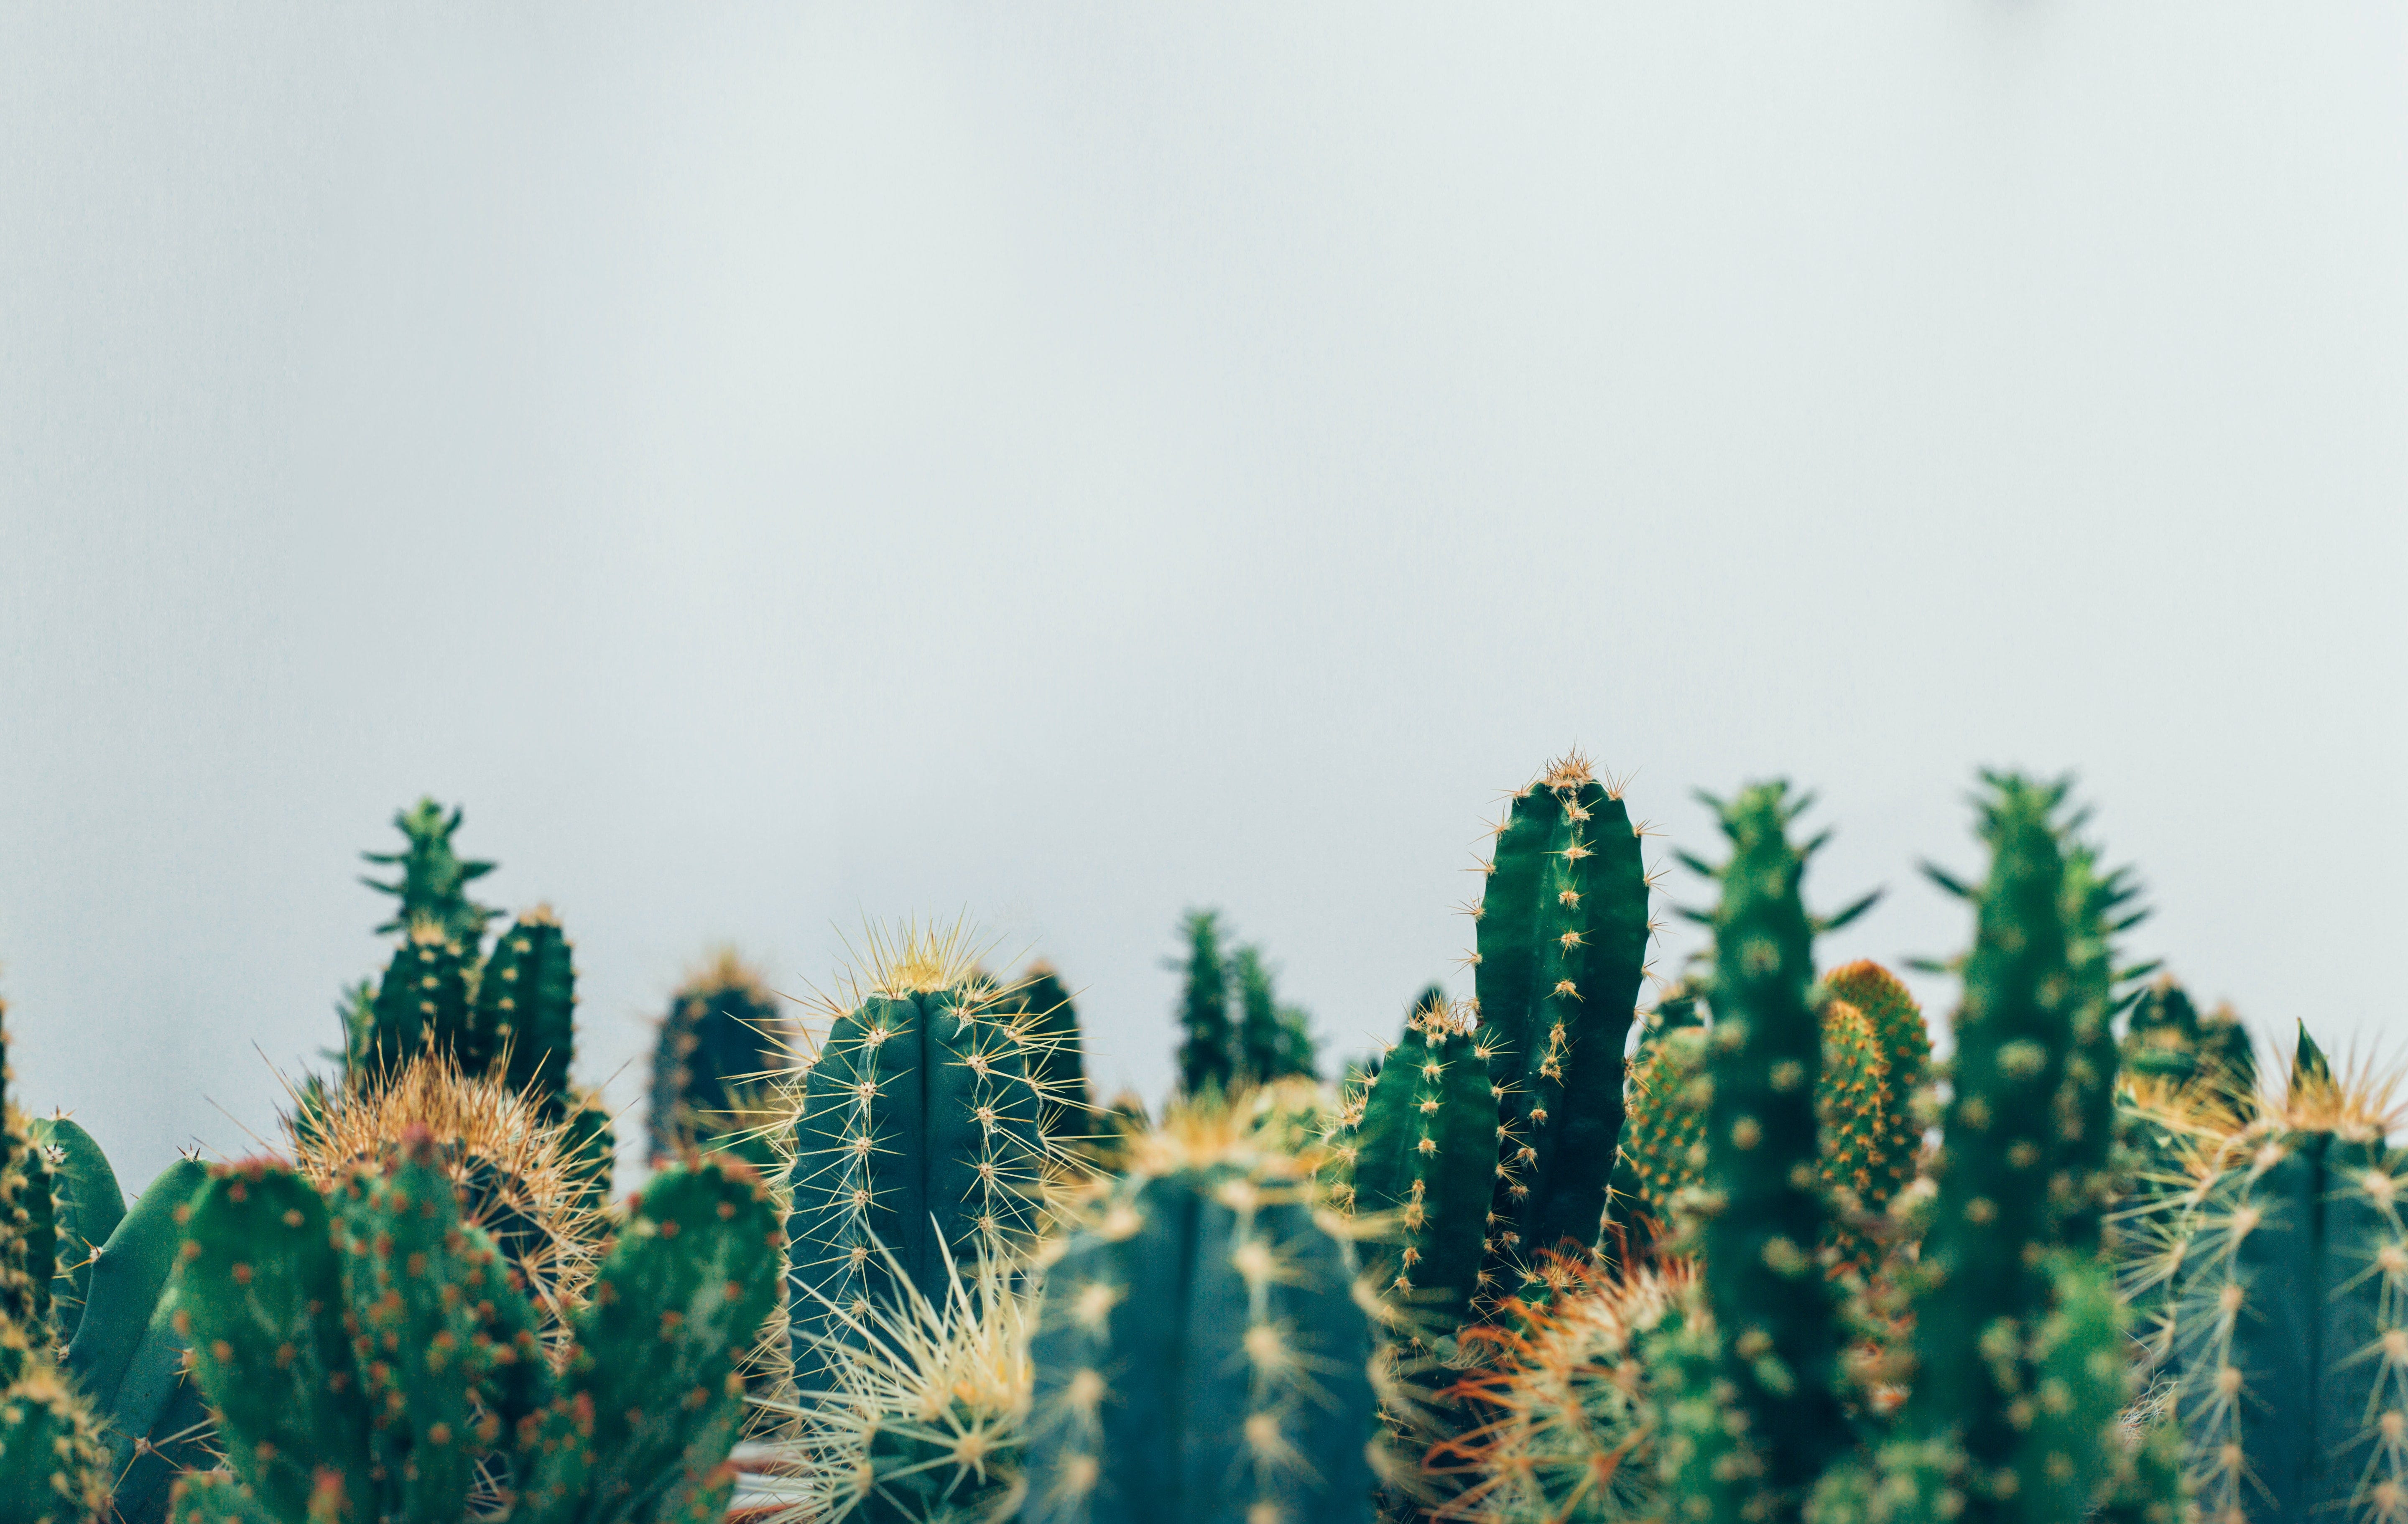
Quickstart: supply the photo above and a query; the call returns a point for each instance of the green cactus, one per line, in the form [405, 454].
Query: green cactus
[1663, 1148]
[129, 1360]
[1563, 932]
[2281, 1312]
[1417, 1146]
[919, 1142]
[526, 1016]
[86, 1205]
[723, 1037]
[422, 1004]
[1243, 1396]
[53, 1469]
[2018, 1371]
[28, 1231]
[1762, 1213]
[1207, 1059]
[374, 1361]
[1905, 1040]
[1853, 1097]
[434, 881]
[1061, 1072]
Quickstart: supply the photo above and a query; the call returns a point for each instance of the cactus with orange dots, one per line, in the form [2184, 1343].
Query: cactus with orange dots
[372, 1359]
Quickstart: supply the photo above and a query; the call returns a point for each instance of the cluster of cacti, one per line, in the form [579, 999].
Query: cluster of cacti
[1504, 1277]
[2276, 1265]
[724, 1047]
[371, 1355]
[1258, 1042]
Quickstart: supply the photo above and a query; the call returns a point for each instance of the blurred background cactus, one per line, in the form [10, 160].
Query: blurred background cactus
[722, 1048]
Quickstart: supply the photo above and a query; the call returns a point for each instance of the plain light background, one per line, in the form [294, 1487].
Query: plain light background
[787, 465]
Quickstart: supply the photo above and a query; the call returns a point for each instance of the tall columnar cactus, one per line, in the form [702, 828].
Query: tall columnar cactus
[1417, 1148]
[526, 1016]
[1562, 934]
[1201, 1356]
[2017, 1367]
[1207, 1048]
[1762, 1212]
[28, 1232]
[372, 1359]
[919, 1145]
[721, 1042]
[434, 881]
[2283, 1313]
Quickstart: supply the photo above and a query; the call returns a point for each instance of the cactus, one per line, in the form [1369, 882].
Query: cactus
[28, 1233]
[1061, 1072]
[928, 1414]
[1274, 1041]
[1417, 1146]
[434, 881]
[1245, 1398]
[1904, 1042]
[524, 1022]
[374, 1361]
[1663, 1151]
[1566, 1432]
[53, 1469]
[1563, 932]
[1206, 1059]
[422, 1004]
[1762, 1215]
[724, 1036]
[513, 1171]
[86, 1205]
[2282, 1317]
[129, 1360]
[918, 1144]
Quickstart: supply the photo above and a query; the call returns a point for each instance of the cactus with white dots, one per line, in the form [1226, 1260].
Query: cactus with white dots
[1200, 1354]
[372, 1359]
[919, 1145]
[2282, 1315]
[1562, 947]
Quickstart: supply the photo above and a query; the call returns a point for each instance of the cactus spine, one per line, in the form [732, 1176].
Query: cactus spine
[2283, 1314]
[1199, 1355]
[1562, 934]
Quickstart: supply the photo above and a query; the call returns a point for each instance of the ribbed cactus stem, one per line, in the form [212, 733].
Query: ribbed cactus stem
[1422, 1151]
[422, 1004]
[1763, 1214]
[1562, 934]
[525, 1019]
[1200, 1358]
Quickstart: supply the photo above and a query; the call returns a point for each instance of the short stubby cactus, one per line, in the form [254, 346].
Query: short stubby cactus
[373, 1360]
[515, 1172]
[1200, 1354]
[54, 1465]
[1418, 1154]
[1902, 1040]
[1563, 1430]
[722, 1042]
[1563, 932]
[422, 1004]
[919, 1145]
[2281, 1273]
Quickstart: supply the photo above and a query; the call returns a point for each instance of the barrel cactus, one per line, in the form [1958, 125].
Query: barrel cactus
[722, 1044]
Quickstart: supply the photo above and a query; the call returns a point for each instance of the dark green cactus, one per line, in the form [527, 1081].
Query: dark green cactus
[723, 1041]
[1059, 1053]
[28, 1234]
[128, 1358]
[1563, 932]
[422, 1004]
[53, 1469]
[434, 880]
[2282, 1317]
[1762, 1213]
[1200, 1358]
[918, 1146]
[1417, 1146]
[86, 1205]
[374, 1365]
[526, 1016]
[1207, 1050]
